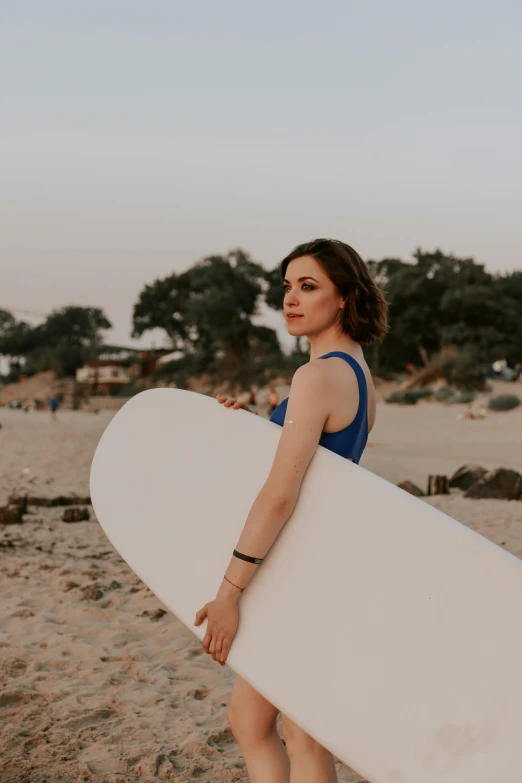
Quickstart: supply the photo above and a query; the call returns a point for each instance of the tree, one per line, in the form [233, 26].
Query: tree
[434, 303]
[207, 314]
[16, 340]
[63, 342]
[68, 338]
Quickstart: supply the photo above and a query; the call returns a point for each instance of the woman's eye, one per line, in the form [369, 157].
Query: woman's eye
[287, 288]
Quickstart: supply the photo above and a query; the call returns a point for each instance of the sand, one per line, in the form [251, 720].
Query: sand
[97, 682]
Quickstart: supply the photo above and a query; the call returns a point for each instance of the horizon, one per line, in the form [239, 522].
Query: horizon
[267, 316]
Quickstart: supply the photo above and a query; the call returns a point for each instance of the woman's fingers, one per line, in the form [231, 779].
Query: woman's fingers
[213, 646]
[228, 402]
[224, 650]
[206, 641]
[219, 645]
[200, 616]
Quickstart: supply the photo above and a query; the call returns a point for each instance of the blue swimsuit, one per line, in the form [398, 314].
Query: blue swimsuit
[350, 441]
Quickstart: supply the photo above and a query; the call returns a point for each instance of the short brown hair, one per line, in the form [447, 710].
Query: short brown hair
[364, 316]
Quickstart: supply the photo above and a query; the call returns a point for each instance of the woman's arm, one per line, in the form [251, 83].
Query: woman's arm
[306, 414]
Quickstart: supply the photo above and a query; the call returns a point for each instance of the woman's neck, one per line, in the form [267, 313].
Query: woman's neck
[326, 343]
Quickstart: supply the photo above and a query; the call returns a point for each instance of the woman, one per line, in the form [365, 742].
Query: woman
[330, 297]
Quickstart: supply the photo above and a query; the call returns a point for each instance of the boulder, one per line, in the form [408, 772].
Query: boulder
[11, 515]
[18, 500]
[71, 500]
[37, 501]
[60, 500]
[75, 514]
[467, 475]
[501, 483]
[409, 486]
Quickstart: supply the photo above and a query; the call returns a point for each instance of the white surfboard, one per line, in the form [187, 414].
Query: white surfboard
[387, 630]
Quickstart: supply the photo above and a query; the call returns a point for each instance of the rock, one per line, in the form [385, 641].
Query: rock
[75, 514]
[72, 500]
[501, 483]
[60, 500]
[36, 501]
[438, 485]
[18, 500]
[11, 515]
[467, 475]
[409, 486]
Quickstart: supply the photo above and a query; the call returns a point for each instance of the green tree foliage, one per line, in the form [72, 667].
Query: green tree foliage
[16, 341]
[15, 336]
[63, 342]
[207, 314]
[441, 300]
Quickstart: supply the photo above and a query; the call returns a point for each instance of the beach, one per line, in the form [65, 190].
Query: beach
[98, 682]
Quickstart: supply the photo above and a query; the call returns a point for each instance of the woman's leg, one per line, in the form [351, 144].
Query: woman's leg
[253, 722]
[309, 761]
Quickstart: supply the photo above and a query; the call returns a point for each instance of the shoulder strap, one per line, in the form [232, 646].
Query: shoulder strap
[361, 378]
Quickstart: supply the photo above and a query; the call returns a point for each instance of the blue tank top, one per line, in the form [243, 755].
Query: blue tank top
[349, 442]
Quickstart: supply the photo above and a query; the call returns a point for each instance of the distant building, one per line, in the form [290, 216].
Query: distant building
[103, 376]
[116, 367]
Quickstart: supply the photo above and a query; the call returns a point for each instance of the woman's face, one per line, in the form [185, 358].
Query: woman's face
[311, 302]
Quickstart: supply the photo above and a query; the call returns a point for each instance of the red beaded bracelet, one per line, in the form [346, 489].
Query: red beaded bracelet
[233, 585]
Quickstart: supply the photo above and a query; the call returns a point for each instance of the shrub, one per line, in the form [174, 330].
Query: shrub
[504, 402]
[128, 390]
[459, 368]
[463, 397]
[409, 396]
[424, 393]
[444, 394]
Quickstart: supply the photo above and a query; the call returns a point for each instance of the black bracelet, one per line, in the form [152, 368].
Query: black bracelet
[249, 559]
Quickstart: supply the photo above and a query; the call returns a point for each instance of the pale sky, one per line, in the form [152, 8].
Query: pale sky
[138, 137]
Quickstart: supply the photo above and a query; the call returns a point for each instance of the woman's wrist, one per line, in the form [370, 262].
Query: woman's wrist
[228, 591]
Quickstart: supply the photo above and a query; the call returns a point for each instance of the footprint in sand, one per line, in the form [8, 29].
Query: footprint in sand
[220, 738]
[195, 652]
[93, 717]
[199, 693]
[14, 667]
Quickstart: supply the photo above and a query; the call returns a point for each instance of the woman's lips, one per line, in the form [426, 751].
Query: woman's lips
[293, 315]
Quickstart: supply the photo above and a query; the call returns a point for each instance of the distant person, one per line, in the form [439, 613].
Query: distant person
[53, 406]
[498, 366]
[273, 400]
[473, 412]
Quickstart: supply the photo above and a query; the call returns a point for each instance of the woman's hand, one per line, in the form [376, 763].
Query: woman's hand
[222, 620]
[231, 402]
